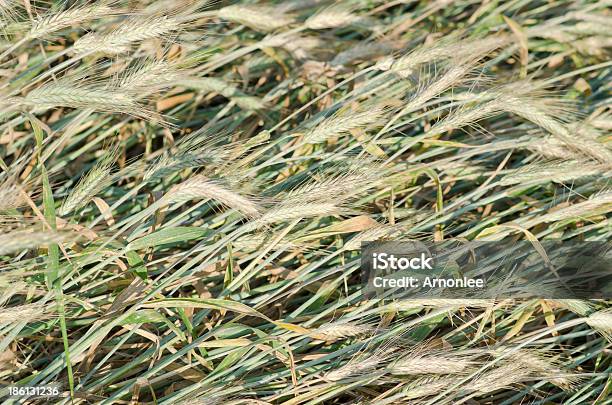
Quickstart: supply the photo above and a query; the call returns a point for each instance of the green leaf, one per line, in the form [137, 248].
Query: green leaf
[143, 316]
[168, 235]
[49, 207]
[54, 280]
[426, 328]
[151, 316]
[137, 265]
[232, 358]
[229, 269]
[211, 303]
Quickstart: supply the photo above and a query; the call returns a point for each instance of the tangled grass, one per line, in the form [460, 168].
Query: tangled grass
[184, 186]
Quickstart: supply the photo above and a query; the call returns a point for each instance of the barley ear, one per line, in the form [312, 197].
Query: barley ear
[601, 321]
[91, 184]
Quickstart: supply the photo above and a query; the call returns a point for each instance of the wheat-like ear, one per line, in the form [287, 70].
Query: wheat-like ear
[602, 322]
[585, 138]
[55, 21]
[201, 148]
[549, 114]
[466, 116]
[406, 305]
[537, 111]
[361, 364]
[344, 121]
[22, 240]
[598, 204]
[337, 187]
[558, 171]
[457, 73]
[148, 77]
[340, 330]
[405, 65]
[24, 313]
[11, 285]
[7, 5]
[288, 212]
[572, 147]
[506, 375]
[9, 13]
[320, 198]
[201, 187]
[98, 178]
[334, 16]
[71, 94]
[10, 194]
[169, 164]
[257, 17]
[428, 386]
[601, 121]
[545, 366]
[121, 40]
[423, 360]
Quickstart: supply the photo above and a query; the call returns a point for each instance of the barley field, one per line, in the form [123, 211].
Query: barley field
[185, 186]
